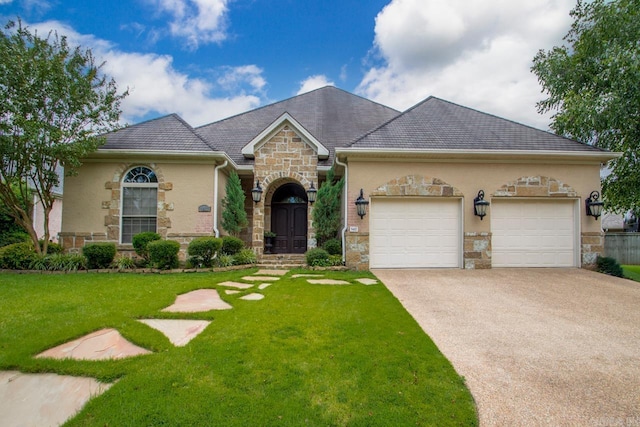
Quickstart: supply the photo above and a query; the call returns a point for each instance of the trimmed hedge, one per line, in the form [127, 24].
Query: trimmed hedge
[333, 247]
[164, 253]
[99, 255]
[231, 245]
[17, 256]
[203, 250]
[141, 240]
[610, 266]
[317, 257]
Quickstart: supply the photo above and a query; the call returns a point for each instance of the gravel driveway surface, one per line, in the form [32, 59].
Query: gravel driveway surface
[538, 347]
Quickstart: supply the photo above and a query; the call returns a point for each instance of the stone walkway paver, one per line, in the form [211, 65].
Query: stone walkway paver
[43, 399]
[271, 272]
[296, 276]
[264, 286]
[179, 331]
[252, 297]
[197, 301]
[260, 278]
[99, 345]
[236, 285]
[367, 282]
[327, 282]
[231, 292]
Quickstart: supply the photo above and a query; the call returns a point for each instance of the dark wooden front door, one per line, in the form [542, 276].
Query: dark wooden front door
[289, 222]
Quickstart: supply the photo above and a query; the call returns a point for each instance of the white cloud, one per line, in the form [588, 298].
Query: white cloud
[198, 21]
[477, 54]
[314, 82]
[155, 86]
[5, 1]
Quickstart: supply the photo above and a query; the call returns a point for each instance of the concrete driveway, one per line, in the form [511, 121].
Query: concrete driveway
[547, 347]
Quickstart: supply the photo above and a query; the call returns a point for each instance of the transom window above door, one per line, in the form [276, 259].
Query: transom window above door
[139, 203]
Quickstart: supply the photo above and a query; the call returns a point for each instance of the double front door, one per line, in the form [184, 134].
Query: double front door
[289, 222]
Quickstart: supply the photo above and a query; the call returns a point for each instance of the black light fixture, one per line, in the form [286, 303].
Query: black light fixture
[480, 205]
[593, 205]
[256, 192]
[312, 193]
[361, 205]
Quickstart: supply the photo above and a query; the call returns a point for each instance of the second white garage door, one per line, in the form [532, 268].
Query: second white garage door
[415, 233]
[533, 233]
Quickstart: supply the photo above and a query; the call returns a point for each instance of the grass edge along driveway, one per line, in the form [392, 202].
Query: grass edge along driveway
[304, 355]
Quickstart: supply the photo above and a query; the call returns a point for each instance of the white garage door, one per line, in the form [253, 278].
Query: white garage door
[415, 233]
[530, 233]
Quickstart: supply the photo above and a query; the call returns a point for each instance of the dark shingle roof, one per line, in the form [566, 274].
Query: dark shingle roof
[334, 117]
[441, 125]
[168, 133]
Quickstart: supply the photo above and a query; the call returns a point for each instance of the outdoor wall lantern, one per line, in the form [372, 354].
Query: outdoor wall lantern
[312, 193]
[361, 205]
[480, 205]
[593, 205]
[256, 192]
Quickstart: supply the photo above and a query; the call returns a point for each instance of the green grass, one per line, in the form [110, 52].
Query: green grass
[632, 272]
[304, 355]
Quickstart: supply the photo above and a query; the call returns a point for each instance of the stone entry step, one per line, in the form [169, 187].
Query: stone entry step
[282, 261]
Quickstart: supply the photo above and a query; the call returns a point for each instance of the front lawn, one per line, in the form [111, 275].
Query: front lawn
[632, 272]
[304, 355]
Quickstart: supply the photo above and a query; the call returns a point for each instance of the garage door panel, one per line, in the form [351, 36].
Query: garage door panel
[533, 233]
[414, 233]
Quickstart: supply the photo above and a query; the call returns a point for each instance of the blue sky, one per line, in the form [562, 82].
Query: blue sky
[209, 59]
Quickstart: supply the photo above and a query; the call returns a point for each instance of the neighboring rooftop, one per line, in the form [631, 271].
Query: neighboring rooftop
[441, 125]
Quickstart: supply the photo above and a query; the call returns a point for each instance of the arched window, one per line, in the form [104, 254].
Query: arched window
[139, 203]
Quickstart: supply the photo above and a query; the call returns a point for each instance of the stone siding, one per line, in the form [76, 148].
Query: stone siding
[477, 250]
[357, 251]
[535, 186]
[417, 185]
[592, 246]
[284, 158]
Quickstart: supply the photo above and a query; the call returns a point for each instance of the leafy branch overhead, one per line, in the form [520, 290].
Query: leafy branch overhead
[593, 91]
[54, 104]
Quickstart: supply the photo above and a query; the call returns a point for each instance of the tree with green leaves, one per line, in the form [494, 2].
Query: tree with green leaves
[234, 217]
[592, 83]
[326, 210]
[54, 103]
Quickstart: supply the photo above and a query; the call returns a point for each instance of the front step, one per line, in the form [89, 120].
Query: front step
[282, 261]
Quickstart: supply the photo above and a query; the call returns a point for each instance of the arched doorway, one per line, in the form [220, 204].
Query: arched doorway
[289, 219]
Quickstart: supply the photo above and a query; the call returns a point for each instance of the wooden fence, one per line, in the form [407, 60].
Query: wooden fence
[624, 247]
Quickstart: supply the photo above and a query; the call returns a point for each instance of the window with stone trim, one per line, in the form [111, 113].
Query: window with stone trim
[139, 203]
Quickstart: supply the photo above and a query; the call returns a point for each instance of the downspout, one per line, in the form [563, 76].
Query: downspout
[346, 208]
[215, 197]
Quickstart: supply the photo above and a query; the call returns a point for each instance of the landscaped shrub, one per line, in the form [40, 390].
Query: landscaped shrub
[164, 253]
[609, 266]
[59, 262]
[140, 242]
[335, 260]
[17, 256]
[223, 260]
[245, 256]
[333, 247]
[231, 245]
[99, 255]
[124, 263]
[12, 237]
[317, 257]
[202, 251]
[52, 248]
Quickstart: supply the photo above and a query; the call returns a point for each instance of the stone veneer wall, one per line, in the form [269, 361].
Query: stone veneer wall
[592, 246]
[477, 250]
[357, 253]
[285, 157]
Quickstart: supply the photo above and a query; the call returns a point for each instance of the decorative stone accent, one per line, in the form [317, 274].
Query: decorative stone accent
[357, 251]
[284, 158]
[535, 186]
[477, 250]
[592, 246]
[417, 185]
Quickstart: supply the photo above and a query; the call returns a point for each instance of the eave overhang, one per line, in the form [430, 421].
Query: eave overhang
[383, 154]
[248, 151]
[213, 157]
